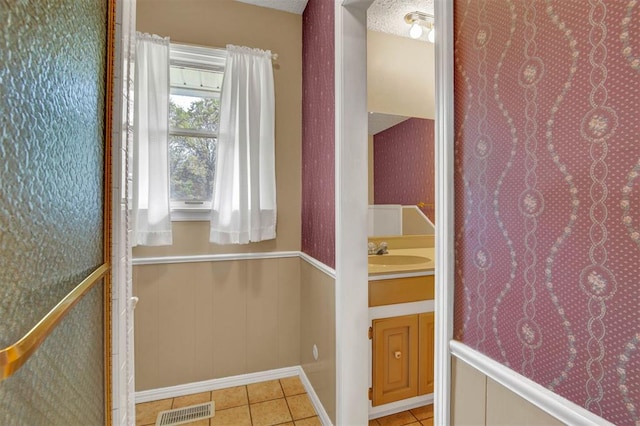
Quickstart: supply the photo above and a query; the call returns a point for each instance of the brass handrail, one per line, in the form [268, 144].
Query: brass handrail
[14, 356]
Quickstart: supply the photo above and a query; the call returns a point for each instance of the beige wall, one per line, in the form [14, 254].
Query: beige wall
[198, 321]
[400, 76]
[479, 400]
[242, 318]
[317, 316]
[217, 23]
[246, 316]
[414, 223]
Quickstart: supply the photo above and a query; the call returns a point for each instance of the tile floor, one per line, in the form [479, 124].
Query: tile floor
[275, 402]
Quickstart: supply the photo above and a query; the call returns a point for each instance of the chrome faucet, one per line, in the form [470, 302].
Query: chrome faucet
[377, 249]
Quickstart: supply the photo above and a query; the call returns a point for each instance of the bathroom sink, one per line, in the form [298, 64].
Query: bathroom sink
[396, 259]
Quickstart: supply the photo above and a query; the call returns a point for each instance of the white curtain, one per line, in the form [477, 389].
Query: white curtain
[244, 195]
[151, 208]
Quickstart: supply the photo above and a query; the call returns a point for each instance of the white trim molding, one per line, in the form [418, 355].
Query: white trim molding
[190, 215]
[318, 265]
[445, 166]
[400, 309]
[561, 408]
[214, 257]
[240, 380]
[351, 205]
[215, 384]
[402, 275]
[399, 406]
[315, 400]
[122, 317]
[163, 260]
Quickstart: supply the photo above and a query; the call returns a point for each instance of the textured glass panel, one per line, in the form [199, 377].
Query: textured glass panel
[62, 383]
[52, 73]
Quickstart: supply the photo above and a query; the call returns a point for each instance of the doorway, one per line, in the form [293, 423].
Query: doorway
[351, 175]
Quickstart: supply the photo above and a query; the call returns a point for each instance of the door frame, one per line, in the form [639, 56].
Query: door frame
[351, 210]
[122, 372]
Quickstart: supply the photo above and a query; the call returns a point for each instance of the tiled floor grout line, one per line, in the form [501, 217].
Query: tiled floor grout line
[246, 389]
[298, 394]
[286, 401]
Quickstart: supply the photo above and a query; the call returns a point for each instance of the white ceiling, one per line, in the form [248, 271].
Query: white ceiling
[292, 6]
[385, 16]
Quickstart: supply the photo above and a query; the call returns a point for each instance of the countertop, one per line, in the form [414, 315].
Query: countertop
[427, 268]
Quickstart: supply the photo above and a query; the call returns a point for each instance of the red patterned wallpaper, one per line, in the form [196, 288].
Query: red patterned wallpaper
[547, 107]
[403, 165]
[318, 131]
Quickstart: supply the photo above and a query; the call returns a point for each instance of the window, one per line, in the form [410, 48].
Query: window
[195, 81]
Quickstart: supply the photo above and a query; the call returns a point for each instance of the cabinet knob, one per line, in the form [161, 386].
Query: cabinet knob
[397, 354]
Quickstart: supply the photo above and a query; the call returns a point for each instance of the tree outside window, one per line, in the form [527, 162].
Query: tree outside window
[193, 132]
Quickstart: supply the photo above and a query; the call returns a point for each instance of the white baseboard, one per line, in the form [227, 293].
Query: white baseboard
[240, 380]
[557, 406]
[399, 406]
[322, 413]
[215, 384]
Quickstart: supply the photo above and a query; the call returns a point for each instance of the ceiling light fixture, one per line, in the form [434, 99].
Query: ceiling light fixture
[418, 21]
[415, 31]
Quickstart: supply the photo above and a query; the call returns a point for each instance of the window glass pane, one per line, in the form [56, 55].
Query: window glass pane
[193, 120]
[192, 164]
[194, 113]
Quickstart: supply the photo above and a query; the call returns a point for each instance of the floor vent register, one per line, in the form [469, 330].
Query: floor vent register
[180, 416]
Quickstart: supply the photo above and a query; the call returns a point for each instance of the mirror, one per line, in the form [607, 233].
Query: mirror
[400, 74]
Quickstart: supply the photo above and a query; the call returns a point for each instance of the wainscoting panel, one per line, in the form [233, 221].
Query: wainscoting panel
[317, 316]
[479, 400]
[207, 320]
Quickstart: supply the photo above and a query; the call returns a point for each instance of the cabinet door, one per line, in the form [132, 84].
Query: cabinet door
[425, 352]
[395, 359]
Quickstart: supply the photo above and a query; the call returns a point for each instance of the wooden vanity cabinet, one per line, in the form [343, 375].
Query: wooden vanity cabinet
[402, 357]
[402, 346]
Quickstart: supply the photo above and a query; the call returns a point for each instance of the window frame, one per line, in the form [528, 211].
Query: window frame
[204, 58]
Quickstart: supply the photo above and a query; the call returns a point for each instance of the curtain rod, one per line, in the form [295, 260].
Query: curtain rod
[274, 56]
